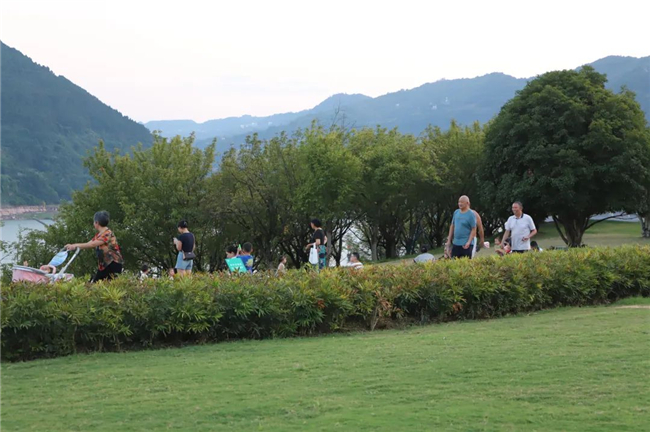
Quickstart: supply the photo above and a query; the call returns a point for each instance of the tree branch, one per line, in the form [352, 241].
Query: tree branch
[557, 226]
[604, 219]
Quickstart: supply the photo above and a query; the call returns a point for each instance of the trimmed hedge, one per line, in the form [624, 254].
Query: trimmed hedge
[61, 319]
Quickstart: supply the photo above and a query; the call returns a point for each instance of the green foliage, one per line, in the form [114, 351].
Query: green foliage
[48, 126]
[570, 148]
[396, 173]
[146, 194]
[457, 154]
[53, 320]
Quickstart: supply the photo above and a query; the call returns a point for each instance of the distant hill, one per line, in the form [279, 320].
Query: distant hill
[48, 125]
[465, 100]
[234, 126]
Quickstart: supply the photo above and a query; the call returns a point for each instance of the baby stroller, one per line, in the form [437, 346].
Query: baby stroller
[23, 273]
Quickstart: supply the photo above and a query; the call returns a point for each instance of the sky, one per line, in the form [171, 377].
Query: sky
[201, 60]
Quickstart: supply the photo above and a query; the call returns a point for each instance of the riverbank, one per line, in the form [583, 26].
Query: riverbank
[26, 212]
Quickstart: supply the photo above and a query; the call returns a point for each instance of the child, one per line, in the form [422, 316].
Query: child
[231, 252]
[144, 272]
[245, 254]
[355, 261]
[535, 247]
[504, 247]
[282, 266]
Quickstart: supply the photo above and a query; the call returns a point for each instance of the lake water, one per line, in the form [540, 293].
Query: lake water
[10, 229]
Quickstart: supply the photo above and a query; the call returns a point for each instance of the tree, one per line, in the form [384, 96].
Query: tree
[457, 155]
[328, 184]
[568, 146]
[260, 182]
[395, 173]
[146, 194]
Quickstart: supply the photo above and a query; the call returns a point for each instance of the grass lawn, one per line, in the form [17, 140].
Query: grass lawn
[568, 369]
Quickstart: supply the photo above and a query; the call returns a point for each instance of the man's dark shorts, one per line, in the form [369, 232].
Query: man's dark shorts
[460, 252]
[519, 251]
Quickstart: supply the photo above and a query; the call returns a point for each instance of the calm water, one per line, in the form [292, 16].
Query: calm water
[10, 229]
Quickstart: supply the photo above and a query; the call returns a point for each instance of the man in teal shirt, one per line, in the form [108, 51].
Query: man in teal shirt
[462, 231]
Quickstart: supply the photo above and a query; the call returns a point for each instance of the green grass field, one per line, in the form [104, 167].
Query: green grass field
[568, 369]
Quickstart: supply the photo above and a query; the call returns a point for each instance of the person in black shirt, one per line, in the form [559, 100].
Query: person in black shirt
[185, 246]
[319, 239]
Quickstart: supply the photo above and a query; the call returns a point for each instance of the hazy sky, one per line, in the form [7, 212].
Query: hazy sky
[201, 60]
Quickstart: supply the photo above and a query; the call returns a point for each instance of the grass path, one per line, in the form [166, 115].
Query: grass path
[568, 369]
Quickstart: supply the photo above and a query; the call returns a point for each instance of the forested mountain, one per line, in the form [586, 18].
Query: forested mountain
[48, 125]
[465, 100]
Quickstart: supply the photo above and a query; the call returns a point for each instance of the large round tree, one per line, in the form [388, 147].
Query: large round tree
[569, 146]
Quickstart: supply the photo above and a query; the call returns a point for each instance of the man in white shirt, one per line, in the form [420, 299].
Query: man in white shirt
[520, 228]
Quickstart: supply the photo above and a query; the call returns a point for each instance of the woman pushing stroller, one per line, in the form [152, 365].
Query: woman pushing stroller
[109, 257]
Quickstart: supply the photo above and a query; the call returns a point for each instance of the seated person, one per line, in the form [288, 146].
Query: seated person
[234, 263]
[245, 254]
[231, 252]
[535, 247]
[144, 272]
[355, 262]
[504, 247]
[424, 256]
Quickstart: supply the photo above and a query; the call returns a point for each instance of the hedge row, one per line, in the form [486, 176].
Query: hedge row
[55, 320]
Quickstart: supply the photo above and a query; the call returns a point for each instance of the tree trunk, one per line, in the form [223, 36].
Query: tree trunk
[573, 229]
[645, 224]
[339, 252]
[391, 246]
[374, 243]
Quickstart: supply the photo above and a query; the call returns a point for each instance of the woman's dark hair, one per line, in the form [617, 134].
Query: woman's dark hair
[356, 255]
[423, 249]
[317, 223]
[282, 258]
[231, 249]
[102, 218]
[182, 224]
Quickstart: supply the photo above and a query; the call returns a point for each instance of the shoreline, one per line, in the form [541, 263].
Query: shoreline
[26, 212]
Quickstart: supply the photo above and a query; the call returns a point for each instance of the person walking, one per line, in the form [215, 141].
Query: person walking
[319, 240]
[477, 245]
[462, 230]
[520, 228]
[109, 255]
[185, 245]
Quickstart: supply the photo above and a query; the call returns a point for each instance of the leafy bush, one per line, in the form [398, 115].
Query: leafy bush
[54, 320]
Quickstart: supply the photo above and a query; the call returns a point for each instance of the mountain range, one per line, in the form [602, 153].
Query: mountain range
[49, 125]
[437, 103]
